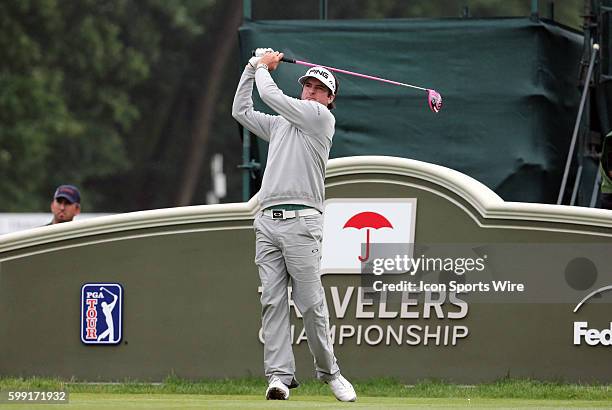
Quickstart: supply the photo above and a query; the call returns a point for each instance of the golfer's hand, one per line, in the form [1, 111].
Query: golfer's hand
[253, 61]
[272, 60]
[259, 52]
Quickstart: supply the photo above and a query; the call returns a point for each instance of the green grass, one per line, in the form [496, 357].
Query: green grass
[88, 401]
[506, 389]
[175, 393]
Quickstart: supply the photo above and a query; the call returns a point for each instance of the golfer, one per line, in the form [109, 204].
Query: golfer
[289, 228]
[107, 309]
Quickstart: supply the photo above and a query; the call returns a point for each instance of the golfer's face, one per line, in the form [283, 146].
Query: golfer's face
[315, 90]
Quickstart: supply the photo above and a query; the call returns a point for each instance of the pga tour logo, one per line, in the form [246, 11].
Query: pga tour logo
[352, 227]
[101, 316]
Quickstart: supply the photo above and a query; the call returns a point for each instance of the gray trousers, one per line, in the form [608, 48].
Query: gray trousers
[290, 250]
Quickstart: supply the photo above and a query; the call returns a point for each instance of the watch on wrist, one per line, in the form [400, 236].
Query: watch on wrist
[263, 65]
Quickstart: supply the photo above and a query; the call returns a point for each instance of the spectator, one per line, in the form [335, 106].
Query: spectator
[66, 204]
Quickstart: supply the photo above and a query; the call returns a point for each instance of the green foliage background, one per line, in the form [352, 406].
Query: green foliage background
[107, 95]
[81, 89]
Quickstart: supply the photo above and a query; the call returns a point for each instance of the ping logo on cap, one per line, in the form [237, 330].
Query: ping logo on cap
[322, 74]
[317, 71]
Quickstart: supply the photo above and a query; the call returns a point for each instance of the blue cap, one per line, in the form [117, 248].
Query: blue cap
[70, 192]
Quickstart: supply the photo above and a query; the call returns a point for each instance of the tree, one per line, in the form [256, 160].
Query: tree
[77, 80]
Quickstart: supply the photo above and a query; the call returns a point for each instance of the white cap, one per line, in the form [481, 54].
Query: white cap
[322, 74]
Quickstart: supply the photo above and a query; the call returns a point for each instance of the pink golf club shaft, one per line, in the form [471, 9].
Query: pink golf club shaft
[338, 70]
[434, 99]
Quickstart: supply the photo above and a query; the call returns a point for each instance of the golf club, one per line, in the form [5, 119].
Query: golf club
[434, 99]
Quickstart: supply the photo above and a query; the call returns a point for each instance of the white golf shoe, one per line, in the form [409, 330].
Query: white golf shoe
[277, 390]
[342, 389]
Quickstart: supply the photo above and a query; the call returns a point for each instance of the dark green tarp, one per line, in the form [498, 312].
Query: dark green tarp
[605, 166]
[510, 89]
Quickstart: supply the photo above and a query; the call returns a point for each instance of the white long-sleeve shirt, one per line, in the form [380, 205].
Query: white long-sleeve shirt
[300, 138]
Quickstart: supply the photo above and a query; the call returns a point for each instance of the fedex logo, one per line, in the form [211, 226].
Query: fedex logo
[582, 330]
[592, 337]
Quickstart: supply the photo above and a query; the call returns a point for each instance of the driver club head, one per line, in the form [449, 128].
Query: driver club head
[435, 100]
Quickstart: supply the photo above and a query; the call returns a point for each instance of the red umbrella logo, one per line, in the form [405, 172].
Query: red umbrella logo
[368, 220]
